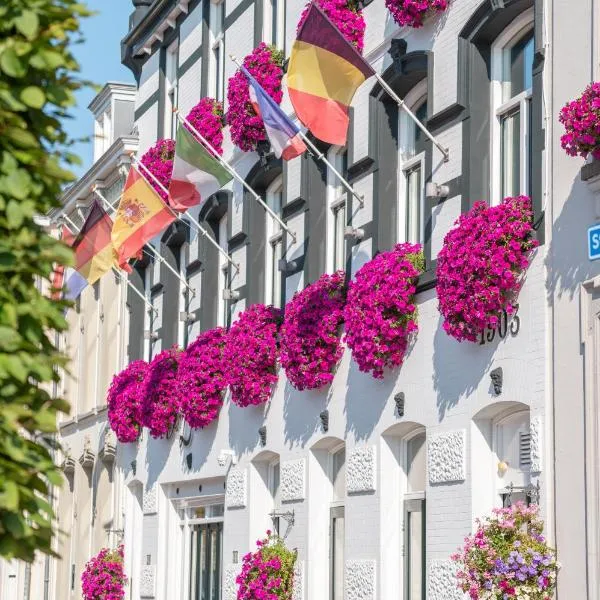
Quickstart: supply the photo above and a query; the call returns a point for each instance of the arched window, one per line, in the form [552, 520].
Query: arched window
[411, 172]
[274, 245]
[414, 517]
[512, 88]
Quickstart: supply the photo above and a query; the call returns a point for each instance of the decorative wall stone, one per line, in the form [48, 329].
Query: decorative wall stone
[229, 586]
[150, 505]
[360, 580]
[446, 457]
[361, 469]
[298, 593]
[441, 581]
[536, 431]
[236, 491]
[147, 581]
[293, 476]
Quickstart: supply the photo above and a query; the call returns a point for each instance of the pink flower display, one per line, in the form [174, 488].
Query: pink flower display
[124, 401]
[251, 355]
[159, 161]
[310, 344]
[581, 119]
[104, 577]
[508, 557]
[346, 15]
[201, 378]
[414, 12]
[208, 119]
[380, 313]
[160, 405]
[480, 266]
[246, 127]
[268, 572]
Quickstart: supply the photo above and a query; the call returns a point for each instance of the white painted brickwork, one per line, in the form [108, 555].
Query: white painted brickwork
[190, 34]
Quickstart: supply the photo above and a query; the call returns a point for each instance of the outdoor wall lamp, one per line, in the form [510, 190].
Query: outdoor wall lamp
[502, 468]
[353, 233]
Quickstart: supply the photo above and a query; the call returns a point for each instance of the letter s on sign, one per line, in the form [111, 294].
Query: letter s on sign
[596, 240]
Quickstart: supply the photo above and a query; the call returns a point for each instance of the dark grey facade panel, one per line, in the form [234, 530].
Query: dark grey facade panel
[147, 105]
[137, 311]
[239, 10]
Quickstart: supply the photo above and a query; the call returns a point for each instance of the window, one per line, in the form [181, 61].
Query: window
[337, 215]
[337, 524]
[189, 305]
[217, 54]
[412, 165]
[224, 281]
[274, 480]
[274, 23]
[152, 318]
[274, 246]
[512, 75]
[512, 444]
[171, 90]
[414, 518]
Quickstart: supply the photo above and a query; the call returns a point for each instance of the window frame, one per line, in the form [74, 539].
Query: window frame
[216, 67]
[171, 98]
[337, 201]
[500, 108]
[223, 276]
[337, 510]
[273, 240]
[274, 32]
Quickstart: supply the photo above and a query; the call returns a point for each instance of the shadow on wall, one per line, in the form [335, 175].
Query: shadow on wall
[200, 446]
[157, 455]
[365, 400]
[301, 412]
[452, 380]
[567, 260]
[244, 424]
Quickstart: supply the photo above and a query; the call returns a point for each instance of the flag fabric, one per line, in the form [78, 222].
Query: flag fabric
[324, 72]
[74, 284]
[141, 215]
[93, 246]
[67, 283]
[283, 133]
[197, 174]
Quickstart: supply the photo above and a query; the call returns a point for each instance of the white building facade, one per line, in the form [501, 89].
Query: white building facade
[374, 482]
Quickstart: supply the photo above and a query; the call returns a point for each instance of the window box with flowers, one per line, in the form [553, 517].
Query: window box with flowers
[159, 161]
[104, 576]
[414, 13]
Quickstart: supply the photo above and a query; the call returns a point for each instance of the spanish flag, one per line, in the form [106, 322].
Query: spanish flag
[324, 72]
[93, 247]
[141, 215]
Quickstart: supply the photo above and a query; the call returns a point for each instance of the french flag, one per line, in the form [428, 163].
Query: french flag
[284, 135]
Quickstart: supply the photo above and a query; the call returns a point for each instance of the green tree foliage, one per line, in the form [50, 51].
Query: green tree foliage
[37, 84]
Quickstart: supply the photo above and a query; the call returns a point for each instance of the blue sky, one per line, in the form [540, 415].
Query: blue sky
[100, 60]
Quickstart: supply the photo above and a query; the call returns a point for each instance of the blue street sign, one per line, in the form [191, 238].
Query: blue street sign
[594, 242]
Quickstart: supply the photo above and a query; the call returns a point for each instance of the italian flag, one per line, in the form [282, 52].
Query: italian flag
[197, 174]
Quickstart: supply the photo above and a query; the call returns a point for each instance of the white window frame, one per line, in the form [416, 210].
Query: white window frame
[336, 199]
[171, 89]
[274, 35]
[216, 69]
[275, 492]
[500, 108]
[274, 240]
[223, 275]
[408, 161]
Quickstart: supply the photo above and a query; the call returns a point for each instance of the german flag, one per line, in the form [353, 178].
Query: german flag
[93, 246]
[141, 215]
[324, 72]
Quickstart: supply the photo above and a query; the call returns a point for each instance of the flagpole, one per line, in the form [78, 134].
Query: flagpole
[201, 229]
[402, 105]
[236, 176]
[152, 249]
[320, 156]
[118, 273]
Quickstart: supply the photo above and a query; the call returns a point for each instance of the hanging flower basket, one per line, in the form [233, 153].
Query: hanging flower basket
[251, 355]
[159, 161]
[208, 119]
[413, 13]
[346, 15]
[104, 576]
[380, 313]
[124, 400]
[310, 344]
[268, 572]
[481, 264]
[201, 378]
[265, 63]
[160, 405]
[508, 557]
[581, 119]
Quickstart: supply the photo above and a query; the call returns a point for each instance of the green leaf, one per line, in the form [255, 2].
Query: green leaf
[11, 64]
[28, 24]
[9, 498]
[22, 137]
[33, 96]
[17, 184]
[14, 215]
[15, 524]
[47, 59]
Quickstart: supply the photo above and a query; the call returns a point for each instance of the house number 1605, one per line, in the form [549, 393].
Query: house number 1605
[504, 327]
